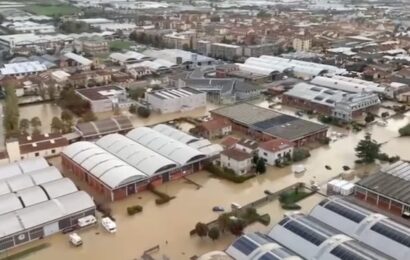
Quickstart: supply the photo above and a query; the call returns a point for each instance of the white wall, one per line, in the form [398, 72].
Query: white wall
[270, 157]
[239, 167]
[43, 153]
[172, 105]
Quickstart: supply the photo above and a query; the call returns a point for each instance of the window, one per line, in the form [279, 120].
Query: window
[37, 154]
[53, 151]
[265, 154]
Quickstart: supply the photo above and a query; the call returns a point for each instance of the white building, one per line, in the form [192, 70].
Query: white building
[106, 98]
[302, 43]
[23, 68]
[239, 161]
[78, 61]
[275, 150]
[351, 85]
[226, 51]
[29, 27]
[176, 100]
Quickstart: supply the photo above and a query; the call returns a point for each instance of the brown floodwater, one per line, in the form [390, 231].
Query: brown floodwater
[173, 221]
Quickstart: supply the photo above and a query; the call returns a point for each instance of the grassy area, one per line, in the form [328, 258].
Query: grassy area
[118, 45]
[52, 10]
[289, 199]
[25, 253]
[227, 174]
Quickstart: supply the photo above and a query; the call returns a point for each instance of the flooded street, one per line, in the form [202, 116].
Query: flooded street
[173, 221]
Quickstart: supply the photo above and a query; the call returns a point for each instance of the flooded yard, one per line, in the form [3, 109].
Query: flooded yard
[168, 225]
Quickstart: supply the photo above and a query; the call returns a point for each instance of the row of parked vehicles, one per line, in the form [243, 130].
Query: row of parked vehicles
[107, 223]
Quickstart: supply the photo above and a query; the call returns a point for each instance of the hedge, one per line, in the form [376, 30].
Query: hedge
[227, 174]
[134, 210]
[163, 197]
[291, 207]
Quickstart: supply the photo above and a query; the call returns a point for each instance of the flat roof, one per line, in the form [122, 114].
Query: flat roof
[270, 121]
[97, 93]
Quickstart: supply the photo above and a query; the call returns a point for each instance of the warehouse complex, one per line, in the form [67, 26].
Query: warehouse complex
[267, 124]
[36, 201]
[389, 189]
[334, 229]
[335, 103]
[119, 166]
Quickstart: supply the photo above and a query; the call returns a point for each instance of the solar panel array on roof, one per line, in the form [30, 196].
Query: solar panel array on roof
[279, 120]
[391, 233]
[245, 245]
[345, 212]
[305, 232]
[344, 253]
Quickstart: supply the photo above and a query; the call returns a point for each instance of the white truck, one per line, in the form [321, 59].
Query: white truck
[75, 239]
[109, 225]
[86, 221]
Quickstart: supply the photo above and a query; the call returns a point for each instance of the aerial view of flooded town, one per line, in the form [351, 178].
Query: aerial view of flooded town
[205, 129]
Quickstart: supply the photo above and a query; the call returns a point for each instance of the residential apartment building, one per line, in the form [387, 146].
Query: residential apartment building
[302, 43]
[92, 46]
[203, 47]
[275, 150]
[180, 40]
[226, 51]
[259, 50]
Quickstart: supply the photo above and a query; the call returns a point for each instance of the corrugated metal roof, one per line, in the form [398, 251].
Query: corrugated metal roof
[175, 133]
[9, 224]
[58, 188]
[9, 202]
[32, 195]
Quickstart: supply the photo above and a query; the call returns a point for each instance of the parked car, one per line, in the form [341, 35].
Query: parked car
[218, 209]
[268, 192]
[86, 221]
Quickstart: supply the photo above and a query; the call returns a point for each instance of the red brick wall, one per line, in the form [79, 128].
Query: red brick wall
[305, 104]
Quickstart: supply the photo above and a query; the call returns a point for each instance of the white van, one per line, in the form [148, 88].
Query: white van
[109, 225]
[75, 239]
[86, 221]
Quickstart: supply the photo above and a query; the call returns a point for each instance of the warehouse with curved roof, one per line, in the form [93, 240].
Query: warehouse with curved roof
[372, 229]
[102, 165]
[257, 246]
[137, 155]
[22, 167]
[49, 204]
[313, 239]
[119, 166]
[168, 147]
[175, 133]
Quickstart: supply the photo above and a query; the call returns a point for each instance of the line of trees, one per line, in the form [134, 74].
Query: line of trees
[11, 112]
[148, 39]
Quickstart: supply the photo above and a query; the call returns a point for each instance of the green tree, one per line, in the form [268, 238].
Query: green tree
[57, 126]
[300, 154]
[51, 90]
[213, 233]
[67, 118]
[255, 158]
[201, 229]
[89, 116]
[137, 93]
[369, 118]
[260, 166]
[11, 111]
[367, 150]
[24, 126]
[223, 221]
[132, 109]
[143, 112]
[405, 130]
[237, 226]
[35, 123]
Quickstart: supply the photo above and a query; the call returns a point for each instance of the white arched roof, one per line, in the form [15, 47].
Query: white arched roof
[103, 165]
[32, 195]
[9, 202]
[164, 145]
[22, 167]
[58, 188]
[175, 133]
[137, 155]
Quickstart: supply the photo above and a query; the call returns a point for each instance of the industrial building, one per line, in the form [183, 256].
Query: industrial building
[180, 57]
[119, 166]
[226, 51]
[36, 201]
[372, 229]
[23, 68]
[106, 98]
[175, 100]
[97, 129]
[266, 124]
[257, 246]
[335, 103]
[269, 65]
[351, 85]
[313, 239]
[388, 189]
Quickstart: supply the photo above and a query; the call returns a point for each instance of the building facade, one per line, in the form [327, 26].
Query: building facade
[225, 51]
[238, 161]
[275, 151]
